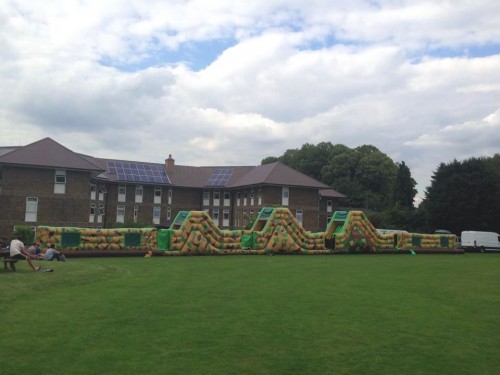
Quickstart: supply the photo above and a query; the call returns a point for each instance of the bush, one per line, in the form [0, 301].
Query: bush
[25, 233]
[132, 224]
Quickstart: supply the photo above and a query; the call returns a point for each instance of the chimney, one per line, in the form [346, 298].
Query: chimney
[169, 163]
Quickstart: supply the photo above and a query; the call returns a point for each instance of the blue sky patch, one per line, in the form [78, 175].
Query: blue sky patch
[477, 50]
[196, 55]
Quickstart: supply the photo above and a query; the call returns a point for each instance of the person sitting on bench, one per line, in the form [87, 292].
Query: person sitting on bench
[17, 251]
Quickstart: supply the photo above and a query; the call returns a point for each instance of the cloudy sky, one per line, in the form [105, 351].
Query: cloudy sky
[223, 82]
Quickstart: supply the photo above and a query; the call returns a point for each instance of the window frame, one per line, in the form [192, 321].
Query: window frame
[60, 180]
[31, 211]
[156, 215]
[120, 213]
[139, 193]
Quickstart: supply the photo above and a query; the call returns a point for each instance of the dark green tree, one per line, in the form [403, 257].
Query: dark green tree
[465, 196]
[269, 160]
[309, 159]
[25, 233]
[404, 190]
[365, 174]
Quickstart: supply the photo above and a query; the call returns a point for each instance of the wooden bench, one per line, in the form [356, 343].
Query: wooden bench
[7, 260]
[11, 262]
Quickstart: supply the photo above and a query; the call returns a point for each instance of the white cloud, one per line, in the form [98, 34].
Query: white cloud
[112, 78]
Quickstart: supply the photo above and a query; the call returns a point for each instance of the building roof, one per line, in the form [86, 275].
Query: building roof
[6, 150]
[277, 174]
[46, 153]
[331, 193]
[217, 176]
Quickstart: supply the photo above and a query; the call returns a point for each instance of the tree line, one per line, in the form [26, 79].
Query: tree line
[463, 195]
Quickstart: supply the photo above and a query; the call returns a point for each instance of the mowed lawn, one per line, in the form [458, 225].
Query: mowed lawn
[353, 314]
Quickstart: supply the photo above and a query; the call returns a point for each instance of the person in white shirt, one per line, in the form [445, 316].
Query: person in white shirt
[17, 251]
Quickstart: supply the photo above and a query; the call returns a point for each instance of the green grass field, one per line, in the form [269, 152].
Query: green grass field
[355, 314]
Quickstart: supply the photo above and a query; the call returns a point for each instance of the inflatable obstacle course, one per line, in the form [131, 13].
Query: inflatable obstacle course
[194, 232]
[275, 231]
[352, 231]
[74, 238]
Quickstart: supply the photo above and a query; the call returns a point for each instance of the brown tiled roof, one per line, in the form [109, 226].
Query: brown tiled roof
[47, 153]
[277, 174]
[331, 193]
[101, 163]
[6, 150]
[188, 176]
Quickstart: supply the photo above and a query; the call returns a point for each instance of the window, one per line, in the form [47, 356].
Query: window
[170, 193]
[31, 209]
[102, 192]
[235, 219]
[329, 206]
[156, 214]
[238, 196]
[138, 194]
[252, 200]
[93, 189]
[215, 216]
[259, 198]
[136, 213]
[101, 210]
[225, 217]
[227, 198]
[284, 195]
[122, 193]
[157, 195]
[60, 182]
[120, 213]
[206, 197]
[299, 215]
[245, 196]
[92, 213]
[169, 213]
[216, 198]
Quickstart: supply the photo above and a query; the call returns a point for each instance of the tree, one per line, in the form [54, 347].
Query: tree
[309, 159]
[25, 233]
[269, 160]
[465, 195]
[369, 178]
[404, 190]
[364, 174]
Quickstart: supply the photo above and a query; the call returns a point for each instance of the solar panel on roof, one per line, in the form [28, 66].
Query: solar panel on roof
[137, 172]
[220, 176]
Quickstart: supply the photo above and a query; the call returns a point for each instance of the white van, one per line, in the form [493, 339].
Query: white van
[480, 241]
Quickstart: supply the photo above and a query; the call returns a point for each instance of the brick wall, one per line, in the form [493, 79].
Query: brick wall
[68, 209]
[73, 207]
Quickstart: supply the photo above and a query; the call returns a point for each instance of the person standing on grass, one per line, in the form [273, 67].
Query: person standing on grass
[17, 251]
[52, 254]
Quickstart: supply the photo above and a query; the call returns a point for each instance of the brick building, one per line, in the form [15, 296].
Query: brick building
[45, 183]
